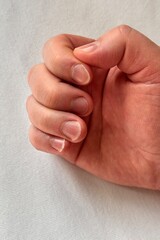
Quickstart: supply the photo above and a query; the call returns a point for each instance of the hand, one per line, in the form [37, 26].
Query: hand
[97, 104]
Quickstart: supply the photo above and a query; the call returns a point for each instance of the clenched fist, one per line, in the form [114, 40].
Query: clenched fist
[97, 104]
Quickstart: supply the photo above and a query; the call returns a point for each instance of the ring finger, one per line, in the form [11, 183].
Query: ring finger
[61, 124]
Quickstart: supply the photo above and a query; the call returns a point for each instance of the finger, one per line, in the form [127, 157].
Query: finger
[131, 51]
[43, 142]
[52, 93]
[54, 145]
[59, 59]
[60, 124]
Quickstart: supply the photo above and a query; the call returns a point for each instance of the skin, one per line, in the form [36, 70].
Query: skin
[119, 132]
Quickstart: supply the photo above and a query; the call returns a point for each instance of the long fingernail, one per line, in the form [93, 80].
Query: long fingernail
[80, 106]
[80, 74]
[88, 47]
[71, 129]
[57, 143]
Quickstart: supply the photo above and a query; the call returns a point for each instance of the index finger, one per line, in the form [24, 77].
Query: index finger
[59, 59]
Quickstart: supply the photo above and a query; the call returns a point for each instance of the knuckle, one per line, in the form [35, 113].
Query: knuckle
[31, 73]
[33, 138]
[31, 110]
[47, 44]
[37, 118]
[61, 37]
[49, 48]
[53, 62]
[28, 101]
[34, 71]
[124, 29]
[51, 41]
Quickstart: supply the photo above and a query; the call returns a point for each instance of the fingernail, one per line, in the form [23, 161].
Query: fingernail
[88, 47]
[71, 129]
[57, 143]
[80, 74]
[79, 105]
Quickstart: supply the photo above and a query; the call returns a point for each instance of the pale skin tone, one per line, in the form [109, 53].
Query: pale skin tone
[98, 106]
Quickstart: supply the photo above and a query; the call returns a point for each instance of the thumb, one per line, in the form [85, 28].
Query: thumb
[131, 51]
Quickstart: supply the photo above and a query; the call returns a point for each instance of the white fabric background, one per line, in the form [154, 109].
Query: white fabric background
[43, 197]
